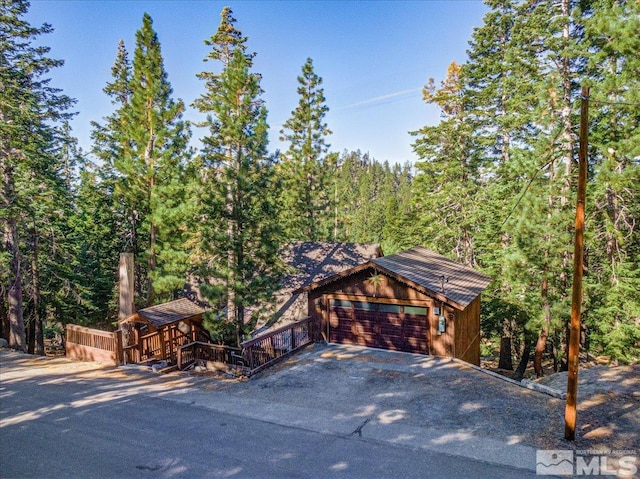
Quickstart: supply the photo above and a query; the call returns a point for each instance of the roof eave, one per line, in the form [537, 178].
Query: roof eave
[135, 318]
[335, 277]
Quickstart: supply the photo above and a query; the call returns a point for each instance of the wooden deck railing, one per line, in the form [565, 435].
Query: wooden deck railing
[261, 352]
[192, 352]
[150, 346]
[156, 345]
[255, 354]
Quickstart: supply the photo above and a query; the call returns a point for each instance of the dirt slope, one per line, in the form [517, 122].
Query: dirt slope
[608, 406]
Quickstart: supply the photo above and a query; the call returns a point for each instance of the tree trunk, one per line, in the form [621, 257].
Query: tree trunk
[505, 361]
[152, 263]
[231, 257]
[30, 328]
[311, 231]
[231, 295]
[239, 324]
[4, 315]
[126, 287]
[506, 344]
[568, 144]
[541, 344]
[38, 333]
[151, 163]
[524, 360]
[17, 338]
[239, 252]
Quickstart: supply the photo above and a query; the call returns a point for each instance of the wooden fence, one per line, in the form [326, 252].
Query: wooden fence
[265, 350]
[88, 344]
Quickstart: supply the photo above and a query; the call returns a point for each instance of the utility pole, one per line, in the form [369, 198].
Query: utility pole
[578, 256]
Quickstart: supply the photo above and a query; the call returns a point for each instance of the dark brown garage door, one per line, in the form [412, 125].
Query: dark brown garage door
[379, 325]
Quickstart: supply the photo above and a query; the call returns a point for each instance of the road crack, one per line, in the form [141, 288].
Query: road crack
[358, 430]
[150, 468]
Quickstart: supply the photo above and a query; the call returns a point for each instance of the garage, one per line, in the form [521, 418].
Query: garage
[379, 325]
[414, 301]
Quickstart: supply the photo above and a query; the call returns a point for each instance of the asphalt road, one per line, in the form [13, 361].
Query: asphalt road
[83, 427]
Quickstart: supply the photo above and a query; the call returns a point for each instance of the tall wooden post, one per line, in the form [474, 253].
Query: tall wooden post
[125, 286]
[126, 303]
[578, 256]
[119, 348]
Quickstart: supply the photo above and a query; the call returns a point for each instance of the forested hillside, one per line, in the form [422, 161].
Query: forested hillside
[494, 187]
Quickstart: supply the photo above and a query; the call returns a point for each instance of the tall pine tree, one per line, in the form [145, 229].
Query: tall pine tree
[144, 145]
[239, 228]
[498, 104]
[550, 158]
[447, 180]
[306, 199]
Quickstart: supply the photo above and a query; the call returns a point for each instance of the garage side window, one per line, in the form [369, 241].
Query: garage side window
[390, 308]
[341, 303]
[363, 306]
[417, 310]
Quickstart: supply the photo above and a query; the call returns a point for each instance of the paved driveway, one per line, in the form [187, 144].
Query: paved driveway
[419, 401]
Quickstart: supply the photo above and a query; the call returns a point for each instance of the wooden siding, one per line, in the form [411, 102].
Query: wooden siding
[443, 343]
[467, 333]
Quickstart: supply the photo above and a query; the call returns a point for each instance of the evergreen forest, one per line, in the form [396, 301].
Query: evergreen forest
[494, 187]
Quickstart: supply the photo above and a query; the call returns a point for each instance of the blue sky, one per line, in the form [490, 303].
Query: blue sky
[374, 57]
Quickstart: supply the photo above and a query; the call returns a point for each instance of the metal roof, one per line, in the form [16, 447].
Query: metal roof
[438, 274]
[171, 312]
[426, 271]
